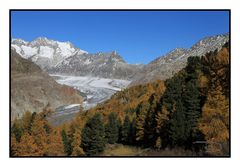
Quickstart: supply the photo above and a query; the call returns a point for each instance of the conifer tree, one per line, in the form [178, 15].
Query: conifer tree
[150, 121]
[125, 130]
[214, 123]
[173, 92]
[132, 132]
[39, 133]
[140, 120]
[17, 130]
[55, 145]
[119, 124]
[192, 109]
[162, 118]
[28, 147]
[33, 116]
[14, 146]
[93, 135]
[27, 121]
[111, 129]
[66, 143]
[177, 125]
[76, 144]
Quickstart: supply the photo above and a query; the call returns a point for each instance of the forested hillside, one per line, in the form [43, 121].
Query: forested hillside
[189, 111]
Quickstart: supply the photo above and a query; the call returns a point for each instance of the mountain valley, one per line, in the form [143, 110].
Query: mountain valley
[98, 76]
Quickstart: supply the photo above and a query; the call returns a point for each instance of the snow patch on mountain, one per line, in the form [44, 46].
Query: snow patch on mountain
[65, 49]
[17, 48]
[29, 51]
[46, 51]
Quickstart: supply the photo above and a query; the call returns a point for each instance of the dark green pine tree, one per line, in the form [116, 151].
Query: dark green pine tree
[193, 68]
[17, 130]
[172, 100]
[119, 124]
[66, 143]
[132, 132]
[31, 122]
[177, 125]
[192, 98]
[93, 135]
[125, 130]
[173, 91]
[150, 122]
[192, 101]
[111, 129]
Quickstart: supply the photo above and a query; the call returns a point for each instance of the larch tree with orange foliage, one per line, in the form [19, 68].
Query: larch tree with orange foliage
[76, 144]
[214, 123]
[28, 147]
[39, 133]
[54, 145]
[161, 119]
[14, 146]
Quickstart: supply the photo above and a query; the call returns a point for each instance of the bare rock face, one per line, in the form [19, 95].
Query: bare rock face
[33, 89]
[166, 66]
[105, 65]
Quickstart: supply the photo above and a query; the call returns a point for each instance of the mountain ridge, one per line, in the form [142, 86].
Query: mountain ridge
[76, 62]
[166, 66]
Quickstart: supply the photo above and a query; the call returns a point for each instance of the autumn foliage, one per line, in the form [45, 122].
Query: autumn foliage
[34, 136]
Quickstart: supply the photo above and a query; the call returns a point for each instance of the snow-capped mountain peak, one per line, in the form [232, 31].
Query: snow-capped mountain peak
[45, 52]
[19, 41]
[43, 41]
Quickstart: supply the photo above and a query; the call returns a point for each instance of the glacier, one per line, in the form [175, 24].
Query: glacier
[95, 89]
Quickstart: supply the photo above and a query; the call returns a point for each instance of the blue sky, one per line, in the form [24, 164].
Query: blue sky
[138, 36]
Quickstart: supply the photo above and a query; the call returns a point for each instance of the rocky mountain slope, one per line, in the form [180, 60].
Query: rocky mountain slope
[166, 66]
[105, 65]
[33, 89]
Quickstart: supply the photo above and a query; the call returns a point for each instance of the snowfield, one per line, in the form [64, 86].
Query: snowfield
[96, 89]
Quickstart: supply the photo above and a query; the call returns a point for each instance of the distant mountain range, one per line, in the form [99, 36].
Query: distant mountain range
[166, 66]
[64, 58]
